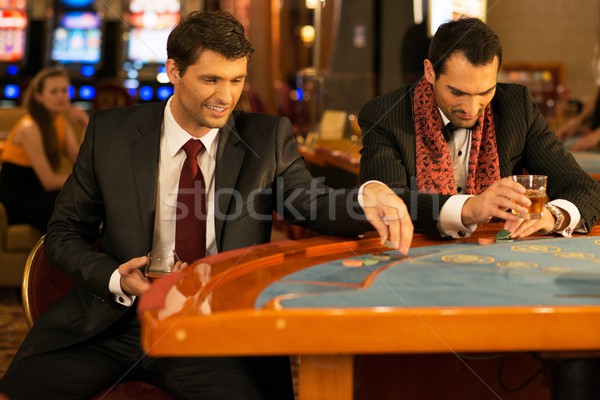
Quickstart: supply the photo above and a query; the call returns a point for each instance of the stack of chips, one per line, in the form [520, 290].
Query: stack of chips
[352, 263]
[486, 241]
[381, 257]
[370, 261]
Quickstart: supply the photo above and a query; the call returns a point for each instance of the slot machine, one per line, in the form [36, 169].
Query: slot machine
[13, 50]
[76, 43]
[143, 71]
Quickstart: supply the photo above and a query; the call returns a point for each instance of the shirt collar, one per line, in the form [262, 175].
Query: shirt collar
[444, 118]
[446, 121]
[177, 136]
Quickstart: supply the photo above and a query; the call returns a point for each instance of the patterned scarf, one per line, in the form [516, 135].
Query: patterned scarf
[434, 164]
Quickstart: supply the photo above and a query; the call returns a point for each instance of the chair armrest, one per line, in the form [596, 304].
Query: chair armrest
[21, 237]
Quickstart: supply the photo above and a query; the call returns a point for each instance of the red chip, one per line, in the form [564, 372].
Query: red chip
[352, 263]
[486, 241]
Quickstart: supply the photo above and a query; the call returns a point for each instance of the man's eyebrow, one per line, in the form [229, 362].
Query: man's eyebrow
[217, 77]
[456, 90]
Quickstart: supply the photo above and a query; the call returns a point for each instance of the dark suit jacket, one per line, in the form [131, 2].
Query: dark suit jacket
[524, 142]
[114, 183]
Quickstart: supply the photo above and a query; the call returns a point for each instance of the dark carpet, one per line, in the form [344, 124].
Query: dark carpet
[13, 329]
[12, 325]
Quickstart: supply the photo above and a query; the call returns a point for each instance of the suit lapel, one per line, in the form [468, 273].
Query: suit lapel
[145, 150]
[503, 145]
[230, 157]
[406, 121]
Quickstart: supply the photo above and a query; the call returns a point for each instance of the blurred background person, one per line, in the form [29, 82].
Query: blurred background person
[415, 48]
[582, 132]
[40, 150]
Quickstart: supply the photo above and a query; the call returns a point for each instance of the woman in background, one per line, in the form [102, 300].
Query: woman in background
[39, 150]
[582, 132]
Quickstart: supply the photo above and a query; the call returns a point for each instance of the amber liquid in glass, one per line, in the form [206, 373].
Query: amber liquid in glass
[537, 203]
[152, 276]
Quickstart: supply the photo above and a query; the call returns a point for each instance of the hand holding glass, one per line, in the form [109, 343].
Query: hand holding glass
[161, 261]
[535, 190]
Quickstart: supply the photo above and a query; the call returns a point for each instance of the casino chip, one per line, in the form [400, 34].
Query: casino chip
[381, 257]
[503, 237]
[370, 261]
[486, 241]
[352, 263]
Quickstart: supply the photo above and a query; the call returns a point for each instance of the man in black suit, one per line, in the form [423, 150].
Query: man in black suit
[126, 180]
[450, 185]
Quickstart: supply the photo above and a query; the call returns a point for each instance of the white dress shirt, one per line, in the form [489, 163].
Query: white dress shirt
[170, 162]
[450, 223]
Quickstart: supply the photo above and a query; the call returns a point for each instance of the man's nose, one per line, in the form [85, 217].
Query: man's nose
[472, 105]
[223, 92]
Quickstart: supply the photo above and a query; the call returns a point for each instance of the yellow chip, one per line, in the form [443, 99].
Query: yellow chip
[352, 263]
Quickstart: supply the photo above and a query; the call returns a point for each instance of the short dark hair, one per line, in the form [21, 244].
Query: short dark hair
[217, 31]
[469, 36]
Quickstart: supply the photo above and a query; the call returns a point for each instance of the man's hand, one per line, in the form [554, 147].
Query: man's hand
[389, 215]
[503, 195]
[78, 117]
[522, 228]
[133, 281]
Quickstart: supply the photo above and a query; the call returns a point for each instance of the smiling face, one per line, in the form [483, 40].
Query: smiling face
[463, 90]
[205, 96]
[55, 94]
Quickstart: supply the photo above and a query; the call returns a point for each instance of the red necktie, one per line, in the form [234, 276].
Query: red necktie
[190, 226]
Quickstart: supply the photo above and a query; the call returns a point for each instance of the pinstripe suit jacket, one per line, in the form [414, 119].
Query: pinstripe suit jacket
[524, 142]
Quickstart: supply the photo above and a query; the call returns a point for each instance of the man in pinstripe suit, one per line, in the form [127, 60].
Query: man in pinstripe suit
[404, 148]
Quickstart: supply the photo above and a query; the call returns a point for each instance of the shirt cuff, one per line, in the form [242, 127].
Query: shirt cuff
[576, 222]
[114, 285]
[360, 192]
[450, 223]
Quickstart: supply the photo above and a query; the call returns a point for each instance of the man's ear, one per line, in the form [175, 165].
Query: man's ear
[172, 70]
[429, 72]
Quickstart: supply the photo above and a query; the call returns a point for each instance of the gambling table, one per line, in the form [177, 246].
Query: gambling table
[453, 319]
